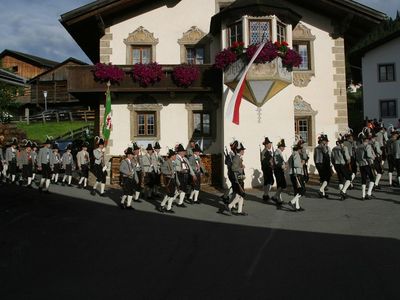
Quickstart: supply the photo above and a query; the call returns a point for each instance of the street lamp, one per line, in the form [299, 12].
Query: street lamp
[45, 100]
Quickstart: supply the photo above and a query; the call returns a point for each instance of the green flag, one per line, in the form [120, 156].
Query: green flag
[107, 125]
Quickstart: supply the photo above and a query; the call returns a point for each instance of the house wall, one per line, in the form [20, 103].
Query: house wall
[373, 90]
[25, 70]
[325, 92]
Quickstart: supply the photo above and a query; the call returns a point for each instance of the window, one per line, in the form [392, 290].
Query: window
[14, 69]
[280, 32]
[201, 123]
[260, 31]
[195, 55]
[303, 48]
[141, 54]
[386, 72]
[235, 33]
[302, 126]
[388, 108]
[146, 124]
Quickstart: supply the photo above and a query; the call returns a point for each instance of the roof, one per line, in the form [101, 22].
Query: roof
[383, 40]
[32, 59]
[68, 60]
[11, 78]
[87, 24]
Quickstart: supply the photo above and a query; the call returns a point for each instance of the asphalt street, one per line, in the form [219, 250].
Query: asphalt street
[72, 245]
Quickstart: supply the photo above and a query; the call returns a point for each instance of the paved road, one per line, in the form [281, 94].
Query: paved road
[71, 245]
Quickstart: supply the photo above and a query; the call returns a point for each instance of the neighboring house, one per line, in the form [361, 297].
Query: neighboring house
[380, 76]
[26, 66]
[11, 78]
[186, 31]
[54, 82]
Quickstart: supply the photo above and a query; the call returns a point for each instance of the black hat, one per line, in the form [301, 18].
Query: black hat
[234, 144]
[135, 147]
[85, 144]
[300, 141]
[100, 142]
[241, 147]
[323, 138]
[180, 148]
[35, 145]
[28, 144]
[14, 142]
[157, 146]
[171, 153]
[49, 141]
[149, 147]
[197, 148]
[267, 141]
[129, 150]
[69, 147]
[296, 147]
[281, 143]
[192, 140]
[55, 146]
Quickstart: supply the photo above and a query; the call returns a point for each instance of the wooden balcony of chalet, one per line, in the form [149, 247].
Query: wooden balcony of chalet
[81, 80]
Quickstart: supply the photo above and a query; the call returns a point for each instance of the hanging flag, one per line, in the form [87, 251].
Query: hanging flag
[107, 125]
[232, 111]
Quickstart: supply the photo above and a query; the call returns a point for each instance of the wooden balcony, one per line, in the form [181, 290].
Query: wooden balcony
[81, 80]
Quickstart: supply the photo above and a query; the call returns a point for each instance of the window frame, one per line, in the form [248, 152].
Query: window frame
[249, 20]
[141, 47]
[146, 123]
[309, 120]
[278, 35]
[202, 113]
[386, 65]
[237, 24]
[296, 44]
[195, 47]
[387, 101]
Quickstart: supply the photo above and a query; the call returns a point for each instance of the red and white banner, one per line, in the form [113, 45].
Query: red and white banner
[232, 111]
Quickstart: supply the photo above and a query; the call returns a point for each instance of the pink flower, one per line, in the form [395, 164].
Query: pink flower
[108, 73]
[147, 74]
[185, 75]
[224, 58]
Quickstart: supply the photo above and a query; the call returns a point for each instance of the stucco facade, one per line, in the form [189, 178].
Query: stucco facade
[376, 90]
[320, 91]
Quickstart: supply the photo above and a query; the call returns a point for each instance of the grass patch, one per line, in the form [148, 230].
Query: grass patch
[39, 131]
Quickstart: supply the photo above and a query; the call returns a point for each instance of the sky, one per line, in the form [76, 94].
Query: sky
[32, 26]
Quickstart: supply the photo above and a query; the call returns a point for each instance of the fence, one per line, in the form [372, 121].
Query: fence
[55, 115]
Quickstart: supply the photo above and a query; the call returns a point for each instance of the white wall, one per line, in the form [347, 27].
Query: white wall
[168, 25]
[373, 90]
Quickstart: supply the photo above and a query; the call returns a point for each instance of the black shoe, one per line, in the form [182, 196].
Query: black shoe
[279, 204]
[300, 209]
[122, 205]
[320, 194]
[377, 187]
[93, 192]
[367, 197]
[102, 194]
[197, 202]
[169, 211]
[46, 192]
[181, 205]
[69, 185]
[226, 207]
[273, 198]
[130, 208]
[190, 201]
[241, 214]
[343, 196]
[80, 186]
[138, 201]
[292, 206]
[266, 198]
[161, 208]
[326, 196]
[63, 183]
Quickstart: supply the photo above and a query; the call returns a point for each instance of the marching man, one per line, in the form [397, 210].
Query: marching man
[129, 178]
[67, 163]
[99, 167]
[170, 182]
[43, 161]
[82, 160]
[199, 170]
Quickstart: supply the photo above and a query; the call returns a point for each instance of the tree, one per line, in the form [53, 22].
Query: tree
[8, 104]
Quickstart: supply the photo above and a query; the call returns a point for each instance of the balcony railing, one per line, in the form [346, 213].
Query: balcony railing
[81, 80]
